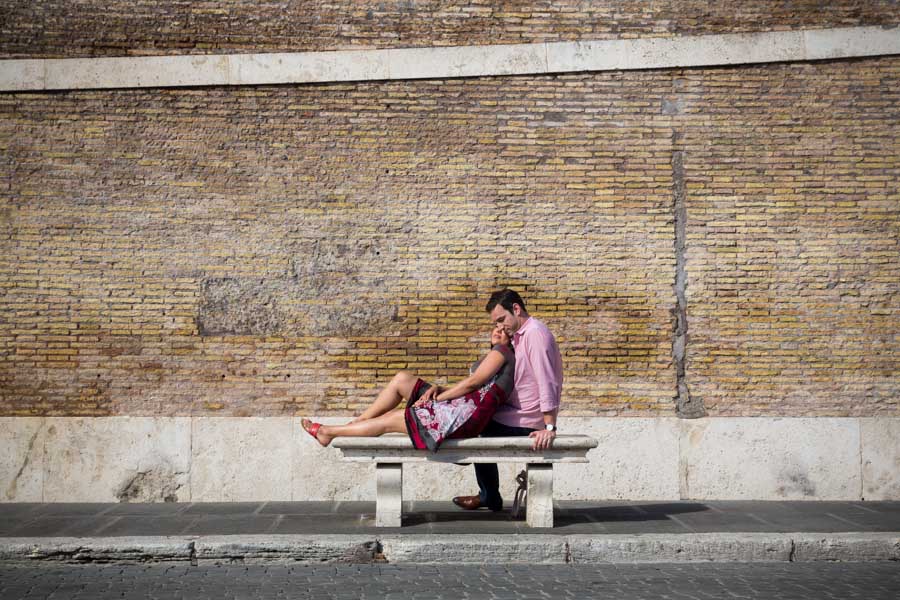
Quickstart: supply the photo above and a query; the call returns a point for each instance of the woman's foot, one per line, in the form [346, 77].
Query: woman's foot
[315, 430]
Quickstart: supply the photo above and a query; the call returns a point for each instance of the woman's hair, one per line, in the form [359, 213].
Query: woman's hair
[505, 298]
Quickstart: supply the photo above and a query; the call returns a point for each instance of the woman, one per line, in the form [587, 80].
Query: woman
[460, 411]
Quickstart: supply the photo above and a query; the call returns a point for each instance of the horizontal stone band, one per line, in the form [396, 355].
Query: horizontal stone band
[447, 62]
[234, 459]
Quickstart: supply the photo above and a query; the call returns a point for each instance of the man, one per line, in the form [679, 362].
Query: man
[534, 403]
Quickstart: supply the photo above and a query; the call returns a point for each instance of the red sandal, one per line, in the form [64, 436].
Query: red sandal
[313, 429]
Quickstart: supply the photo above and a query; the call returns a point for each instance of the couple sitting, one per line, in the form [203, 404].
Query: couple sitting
[514, 390]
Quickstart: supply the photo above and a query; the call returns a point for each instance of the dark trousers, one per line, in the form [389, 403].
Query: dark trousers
[486, 473]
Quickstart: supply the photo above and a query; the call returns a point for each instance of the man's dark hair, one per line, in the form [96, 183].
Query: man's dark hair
[505, 298]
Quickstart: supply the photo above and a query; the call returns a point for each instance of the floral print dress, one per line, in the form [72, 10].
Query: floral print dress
[433, 422]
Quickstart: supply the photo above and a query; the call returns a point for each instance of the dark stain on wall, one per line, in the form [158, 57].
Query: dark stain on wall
[231, 306]
[334, 287]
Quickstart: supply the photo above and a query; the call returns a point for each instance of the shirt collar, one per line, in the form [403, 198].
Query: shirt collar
[522, 329]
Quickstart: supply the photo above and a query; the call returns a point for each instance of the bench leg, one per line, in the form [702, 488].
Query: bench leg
[539, 511]
[389, 498]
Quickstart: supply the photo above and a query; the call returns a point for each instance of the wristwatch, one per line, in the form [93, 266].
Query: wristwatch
[550, 427]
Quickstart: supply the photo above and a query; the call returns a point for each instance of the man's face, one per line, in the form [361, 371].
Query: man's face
[509, 322]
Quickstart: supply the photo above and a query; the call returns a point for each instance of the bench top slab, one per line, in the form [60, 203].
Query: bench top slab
[399, 448]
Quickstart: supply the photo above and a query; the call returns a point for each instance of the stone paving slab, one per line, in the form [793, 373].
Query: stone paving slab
[18, 510]
[95, 519]
[438, 531]
[51, 526]
[309, 508]
[156, 509]
[230, 525]
[158, 526]
[225, 508]
[68, 509]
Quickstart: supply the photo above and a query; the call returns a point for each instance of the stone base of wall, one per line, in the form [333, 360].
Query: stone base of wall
[203, 459]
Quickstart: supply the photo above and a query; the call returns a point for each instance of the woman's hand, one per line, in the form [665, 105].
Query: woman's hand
[429, 395]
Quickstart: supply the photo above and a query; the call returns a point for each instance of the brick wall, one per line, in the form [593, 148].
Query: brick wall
[65, 29]
[793, 237]
[282, 250]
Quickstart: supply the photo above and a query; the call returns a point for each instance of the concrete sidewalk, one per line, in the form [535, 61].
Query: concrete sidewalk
[438, 532]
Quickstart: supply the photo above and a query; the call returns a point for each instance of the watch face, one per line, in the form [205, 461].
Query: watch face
[551, 428]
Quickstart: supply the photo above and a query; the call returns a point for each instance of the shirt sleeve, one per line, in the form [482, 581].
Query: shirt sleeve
[541, 352]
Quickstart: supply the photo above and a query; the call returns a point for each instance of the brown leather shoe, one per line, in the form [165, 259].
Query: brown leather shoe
[473, 503]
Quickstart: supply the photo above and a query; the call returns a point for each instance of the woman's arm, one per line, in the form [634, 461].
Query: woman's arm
[488, 367]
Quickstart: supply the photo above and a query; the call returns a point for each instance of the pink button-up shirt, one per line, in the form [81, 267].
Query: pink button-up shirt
[538, 384]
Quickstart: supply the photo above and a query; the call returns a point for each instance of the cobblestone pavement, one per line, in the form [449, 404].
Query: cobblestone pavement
[435, 582]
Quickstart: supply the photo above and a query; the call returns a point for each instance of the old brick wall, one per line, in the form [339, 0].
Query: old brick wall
[284, 249]
[281, 250]
[793, 237]
[66, 29]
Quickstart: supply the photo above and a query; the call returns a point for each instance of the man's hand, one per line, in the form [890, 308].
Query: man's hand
[429, 394]
[542, 439]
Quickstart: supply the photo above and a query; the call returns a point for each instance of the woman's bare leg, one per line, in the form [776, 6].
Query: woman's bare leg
[393, 422]
[400, 387]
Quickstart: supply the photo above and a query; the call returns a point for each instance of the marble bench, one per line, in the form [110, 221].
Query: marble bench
[389, 452]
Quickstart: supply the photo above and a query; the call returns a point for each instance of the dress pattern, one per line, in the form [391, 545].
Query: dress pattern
[432, 422]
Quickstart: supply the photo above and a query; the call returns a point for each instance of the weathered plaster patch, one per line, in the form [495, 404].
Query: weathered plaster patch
[32, 458]
[795, 483]
[240, 459]
[94, 459]
[770, 459]
[687, 406]
[339, 287]
[333, 288]
[11, 489]
[238, 307]
[880, 458]
[159, 483]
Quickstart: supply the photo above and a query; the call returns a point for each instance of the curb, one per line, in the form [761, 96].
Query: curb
[293, 548]
[461, 549]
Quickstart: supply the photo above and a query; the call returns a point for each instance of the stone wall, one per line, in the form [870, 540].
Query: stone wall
[213, 459]
[719, 240]
[64, 29]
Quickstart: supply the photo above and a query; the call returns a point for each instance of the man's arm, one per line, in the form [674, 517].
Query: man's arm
[549, 386]
[544, 439]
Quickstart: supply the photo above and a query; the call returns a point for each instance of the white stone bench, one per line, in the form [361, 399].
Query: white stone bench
[389, 452]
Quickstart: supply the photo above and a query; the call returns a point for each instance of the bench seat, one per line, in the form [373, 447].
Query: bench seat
[389, 452]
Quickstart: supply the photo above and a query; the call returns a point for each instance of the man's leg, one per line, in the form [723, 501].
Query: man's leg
[487, 474]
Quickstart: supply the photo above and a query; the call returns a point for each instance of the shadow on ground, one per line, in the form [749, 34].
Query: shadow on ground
[565, 515]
